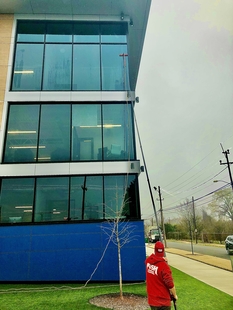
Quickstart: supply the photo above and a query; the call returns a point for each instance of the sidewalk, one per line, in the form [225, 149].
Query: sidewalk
[216, 272]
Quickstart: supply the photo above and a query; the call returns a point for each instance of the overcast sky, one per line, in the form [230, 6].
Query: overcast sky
[185, 88]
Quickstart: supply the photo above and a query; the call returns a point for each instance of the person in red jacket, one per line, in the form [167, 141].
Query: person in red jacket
[159, 282]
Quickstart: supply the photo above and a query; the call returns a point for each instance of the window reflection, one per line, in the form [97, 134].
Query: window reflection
[93, 199]
[22, 134]
[117, 132]
[57, 67]
[86, 132]
[93, 138]
[67, 56]
[54, 139]
[51, 199]
[86, 73]
[28, 67]
[86, 198]
[120, 196]
[16, 200]
[114, 67]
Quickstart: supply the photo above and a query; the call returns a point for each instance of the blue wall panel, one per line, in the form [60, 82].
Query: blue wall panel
[68, 252]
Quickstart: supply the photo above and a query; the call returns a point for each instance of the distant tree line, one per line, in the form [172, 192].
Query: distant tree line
[212, 223]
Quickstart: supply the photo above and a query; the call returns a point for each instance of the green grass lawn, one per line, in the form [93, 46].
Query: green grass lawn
[193, 295]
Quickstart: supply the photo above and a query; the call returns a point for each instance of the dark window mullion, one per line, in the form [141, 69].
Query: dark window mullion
[102, 131]
[69, 191]
[71, 132]
[72, 64]
[103, 193]
[38, 134]
[42, 74]
[5, 139]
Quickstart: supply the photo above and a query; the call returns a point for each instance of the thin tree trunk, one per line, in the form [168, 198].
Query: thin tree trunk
[120, 271]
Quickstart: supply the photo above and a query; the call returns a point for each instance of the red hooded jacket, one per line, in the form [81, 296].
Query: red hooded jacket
[158, 280]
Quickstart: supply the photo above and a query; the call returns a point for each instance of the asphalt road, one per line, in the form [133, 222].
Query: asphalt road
[218, 251]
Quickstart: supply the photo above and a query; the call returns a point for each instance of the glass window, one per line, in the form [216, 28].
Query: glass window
[54, 139]
[117, 132]
[86, 132]
[57, 67]
[53, 200]
[93, 202]
[131, 198]
[59, 32]
[30, 31]
[16, 200]
[22, 133]
[52, 196]
[114, 67]
[58, 56]
[86, 67]
[77, 197]
[86, 33]
[113, 33]
[120, 196]
[86, 198]
[28, 67]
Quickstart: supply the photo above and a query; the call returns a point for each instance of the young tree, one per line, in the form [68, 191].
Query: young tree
[118, 229]
[222, 203]
[120, 232]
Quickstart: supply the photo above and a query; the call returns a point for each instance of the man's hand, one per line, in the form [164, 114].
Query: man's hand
[174, 298]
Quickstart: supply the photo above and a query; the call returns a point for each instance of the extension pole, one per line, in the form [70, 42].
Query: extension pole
[148, 181]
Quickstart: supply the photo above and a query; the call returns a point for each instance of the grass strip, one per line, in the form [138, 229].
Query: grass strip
[193, 294]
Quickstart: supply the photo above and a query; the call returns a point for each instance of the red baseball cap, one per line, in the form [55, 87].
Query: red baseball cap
[159, 249]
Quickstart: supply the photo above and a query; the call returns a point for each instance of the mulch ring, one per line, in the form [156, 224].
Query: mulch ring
[114, 301]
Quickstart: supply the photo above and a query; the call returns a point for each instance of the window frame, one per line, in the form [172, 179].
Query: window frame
[133, 205]
[123, 26]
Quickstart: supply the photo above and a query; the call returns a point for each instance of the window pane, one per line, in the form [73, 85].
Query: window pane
[86, 67]
[59, 32]
[22, 133]
[117, 132]
[131, 198]
[51, 199]
[86, 33]
[120, 195]
[30, 32]
[112, 33]
[86, 132]
[77, 197]
[54, 141]
[57, 67]
[86, 198]
[16, 200]
[28, 67]
[114, 67]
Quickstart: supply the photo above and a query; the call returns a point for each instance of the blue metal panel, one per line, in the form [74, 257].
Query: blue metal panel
[68, 252]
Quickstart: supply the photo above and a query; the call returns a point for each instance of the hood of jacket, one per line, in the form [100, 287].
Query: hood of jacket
[154, 259]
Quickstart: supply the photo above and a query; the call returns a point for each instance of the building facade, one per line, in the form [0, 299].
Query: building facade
[68, 158]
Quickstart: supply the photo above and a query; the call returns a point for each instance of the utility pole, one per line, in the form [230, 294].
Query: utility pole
[162, 218]
[226, 153]
[194, 220]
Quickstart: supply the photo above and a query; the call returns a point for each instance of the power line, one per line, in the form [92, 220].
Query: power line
[175, 207]
[191, 168]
